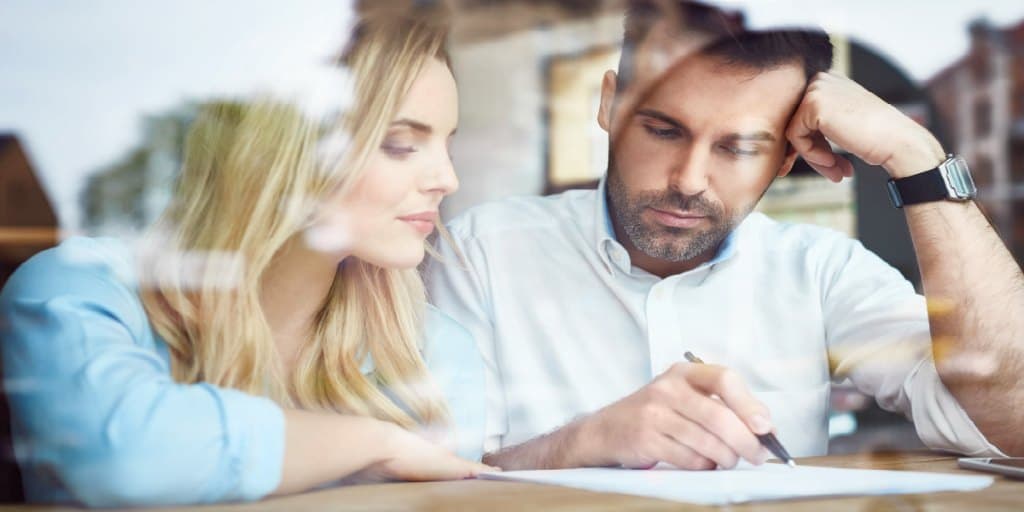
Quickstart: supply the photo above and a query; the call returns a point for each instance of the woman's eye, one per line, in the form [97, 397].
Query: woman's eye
[396, 150]
[662, 133]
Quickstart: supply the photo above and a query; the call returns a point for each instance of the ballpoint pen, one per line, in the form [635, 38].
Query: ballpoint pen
[767, 440]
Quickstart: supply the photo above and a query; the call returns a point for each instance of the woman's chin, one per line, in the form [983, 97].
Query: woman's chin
[398, 259]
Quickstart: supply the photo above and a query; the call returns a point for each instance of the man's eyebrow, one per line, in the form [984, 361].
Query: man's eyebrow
[660, 116]
[758, 136]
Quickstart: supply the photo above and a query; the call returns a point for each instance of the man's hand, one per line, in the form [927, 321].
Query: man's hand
[693, 416]
[840, 110]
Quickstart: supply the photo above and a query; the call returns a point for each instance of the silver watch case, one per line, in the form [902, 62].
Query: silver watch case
[957, 177]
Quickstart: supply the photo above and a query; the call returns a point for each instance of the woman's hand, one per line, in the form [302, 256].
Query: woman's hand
[321, 448]
[411, 457]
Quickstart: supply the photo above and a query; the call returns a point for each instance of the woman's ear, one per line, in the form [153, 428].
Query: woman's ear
[604, 113]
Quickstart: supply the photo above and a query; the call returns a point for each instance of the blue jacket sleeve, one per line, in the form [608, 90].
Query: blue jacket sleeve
[96, 416]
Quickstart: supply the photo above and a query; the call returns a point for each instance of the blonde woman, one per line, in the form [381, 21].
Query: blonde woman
[275, 337]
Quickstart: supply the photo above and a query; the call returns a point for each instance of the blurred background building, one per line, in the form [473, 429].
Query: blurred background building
[529, 74]
[28, 223]
[980, 97]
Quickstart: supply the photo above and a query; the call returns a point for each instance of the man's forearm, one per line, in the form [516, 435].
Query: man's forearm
[975, 293]
[974, 287]
[559, 449]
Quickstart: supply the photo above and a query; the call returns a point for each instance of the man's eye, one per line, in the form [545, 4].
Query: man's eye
[662, 133]
[739, 151]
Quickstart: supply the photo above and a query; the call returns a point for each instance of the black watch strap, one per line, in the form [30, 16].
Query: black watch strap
[925, 187]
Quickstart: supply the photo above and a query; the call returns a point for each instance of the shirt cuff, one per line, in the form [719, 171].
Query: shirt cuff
[256, 439]
[940, 421]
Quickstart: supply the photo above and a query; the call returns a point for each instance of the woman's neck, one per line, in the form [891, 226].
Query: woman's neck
[293, 291]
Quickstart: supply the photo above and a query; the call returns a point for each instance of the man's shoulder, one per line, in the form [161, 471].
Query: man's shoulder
[794, 237]
[525, 214]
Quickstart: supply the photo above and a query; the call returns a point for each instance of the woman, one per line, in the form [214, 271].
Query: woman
[273, 335]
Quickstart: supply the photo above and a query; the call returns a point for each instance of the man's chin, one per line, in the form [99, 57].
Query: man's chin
[673, 243]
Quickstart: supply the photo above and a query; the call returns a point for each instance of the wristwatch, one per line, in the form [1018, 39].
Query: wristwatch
[951, 180]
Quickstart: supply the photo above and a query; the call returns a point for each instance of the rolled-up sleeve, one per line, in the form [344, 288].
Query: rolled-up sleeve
[879, 338]
[97, 418]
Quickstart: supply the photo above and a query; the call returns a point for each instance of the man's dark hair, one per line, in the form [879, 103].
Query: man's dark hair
[756, 49]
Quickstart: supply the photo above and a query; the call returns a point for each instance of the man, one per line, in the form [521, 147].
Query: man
[585, 303]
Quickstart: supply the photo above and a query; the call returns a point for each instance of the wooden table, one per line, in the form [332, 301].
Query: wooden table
[491, 496]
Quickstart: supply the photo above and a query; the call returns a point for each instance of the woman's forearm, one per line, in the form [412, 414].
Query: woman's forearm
[324, 447]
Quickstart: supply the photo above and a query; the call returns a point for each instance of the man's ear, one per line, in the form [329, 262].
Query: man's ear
[604, 113]
[788, 161]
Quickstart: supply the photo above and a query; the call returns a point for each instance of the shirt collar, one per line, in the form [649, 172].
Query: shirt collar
[613, 254]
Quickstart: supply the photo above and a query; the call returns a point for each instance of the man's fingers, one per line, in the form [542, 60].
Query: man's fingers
[835, 173]
[722, 422]
[700, 441]
[819, 151]
[730, 388]
[807, 139]
[682, 456]
[688, 432]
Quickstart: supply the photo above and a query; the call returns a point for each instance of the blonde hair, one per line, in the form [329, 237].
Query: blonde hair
[250, 175]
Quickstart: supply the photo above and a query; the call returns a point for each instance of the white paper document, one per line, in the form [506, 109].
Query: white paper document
[748, 483]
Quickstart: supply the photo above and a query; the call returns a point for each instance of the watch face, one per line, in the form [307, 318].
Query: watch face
[958, 178]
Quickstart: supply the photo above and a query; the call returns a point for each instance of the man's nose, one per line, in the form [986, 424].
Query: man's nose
[689, 175]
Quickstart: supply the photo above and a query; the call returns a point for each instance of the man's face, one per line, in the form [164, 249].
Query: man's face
[691, 159]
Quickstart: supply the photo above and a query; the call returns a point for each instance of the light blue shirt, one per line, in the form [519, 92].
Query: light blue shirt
[97, 419]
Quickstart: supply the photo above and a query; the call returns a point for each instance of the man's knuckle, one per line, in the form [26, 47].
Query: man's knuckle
[719, 420]
[648, 443]
[650, 412]
[660, 388]
[678, 367]
[723, 379]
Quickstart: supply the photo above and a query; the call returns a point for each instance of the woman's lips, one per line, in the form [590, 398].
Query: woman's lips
[422, 222]
[677, 219]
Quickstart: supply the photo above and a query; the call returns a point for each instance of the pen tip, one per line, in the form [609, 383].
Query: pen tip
[791, 463]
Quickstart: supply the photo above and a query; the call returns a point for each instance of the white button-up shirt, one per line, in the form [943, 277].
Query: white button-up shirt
[566, 325]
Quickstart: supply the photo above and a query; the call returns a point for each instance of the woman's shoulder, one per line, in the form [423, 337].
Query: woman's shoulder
[75, 261]
[80, 268]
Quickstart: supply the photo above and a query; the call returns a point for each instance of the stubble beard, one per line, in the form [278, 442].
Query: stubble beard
[667, 243]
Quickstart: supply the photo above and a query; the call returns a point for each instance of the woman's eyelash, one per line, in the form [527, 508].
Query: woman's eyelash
[394, 150]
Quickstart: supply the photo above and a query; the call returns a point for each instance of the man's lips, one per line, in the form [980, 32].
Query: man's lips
[677, 218]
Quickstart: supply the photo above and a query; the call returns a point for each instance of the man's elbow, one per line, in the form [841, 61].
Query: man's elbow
[1011, 445]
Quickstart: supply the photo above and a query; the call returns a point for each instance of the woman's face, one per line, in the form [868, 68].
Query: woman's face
[388, 214]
